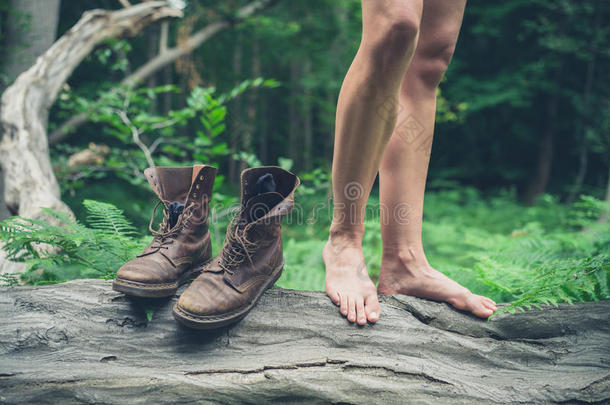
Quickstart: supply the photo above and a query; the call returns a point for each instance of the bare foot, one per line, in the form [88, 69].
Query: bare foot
[404, 274]
[347, 281]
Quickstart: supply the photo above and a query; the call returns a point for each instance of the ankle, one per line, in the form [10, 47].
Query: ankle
[409, 258]
[345, 235]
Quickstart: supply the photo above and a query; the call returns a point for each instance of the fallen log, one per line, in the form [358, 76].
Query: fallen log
[80, 342]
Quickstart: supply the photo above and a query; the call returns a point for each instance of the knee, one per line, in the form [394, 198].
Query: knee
[431, 62]
[395, 39]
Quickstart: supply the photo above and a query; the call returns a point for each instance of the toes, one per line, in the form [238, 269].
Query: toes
[477, 305]
[481, 310]
[360, 312]
[343, 304]
[351, 309]
[334, 296]
[489, 304]
[372, 308]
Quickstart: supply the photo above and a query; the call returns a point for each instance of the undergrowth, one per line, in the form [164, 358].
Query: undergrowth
[526, 256]
[62, 248]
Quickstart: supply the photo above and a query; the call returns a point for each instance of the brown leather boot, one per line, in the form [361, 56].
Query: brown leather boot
[182, 243]
[251, 259]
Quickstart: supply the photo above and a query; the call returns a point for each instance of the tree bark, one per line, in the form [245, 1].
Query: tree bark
[80, 342]
[31, 30]
[29, 181]
[165, 59]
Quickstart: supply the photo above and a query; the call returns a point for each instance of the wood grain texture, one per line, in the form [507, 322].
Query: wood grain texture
[80, 342]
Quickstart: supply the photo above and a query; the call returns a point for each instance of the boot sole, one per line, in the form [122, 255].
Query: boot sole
[217, 321]
[164, 290]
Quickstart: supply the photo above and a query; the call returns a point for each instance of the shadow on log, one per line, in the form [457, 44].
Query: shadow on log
[80, 342]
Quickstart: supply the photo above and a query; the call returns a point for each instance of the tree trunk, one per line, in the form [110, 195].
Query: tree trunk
[607, 199]
[605, 217]
[151, 51]
[236, 112]
[165, 59]
[581, 130]
[31, 30]
[29, 181]
[307, 121]
[253, 104]
[293, 112]
[263, 136]
[167, 71]
[541, 177]
[80, 342]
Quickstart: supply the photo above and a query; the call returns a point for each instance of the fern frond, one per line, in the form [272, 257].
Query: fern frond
[107, 218]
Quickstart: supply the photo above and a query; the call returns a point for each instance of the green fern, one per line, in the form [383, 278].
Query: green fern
[62, 248]
[527, 257]
[107, 218]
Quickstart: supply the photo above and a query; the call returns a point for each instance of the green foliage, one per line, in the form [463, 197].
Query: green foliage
[512, 59]
[140, 138]
[108, 219]
[527, 256]
[114, 54]
[61, 248]
[8, 279]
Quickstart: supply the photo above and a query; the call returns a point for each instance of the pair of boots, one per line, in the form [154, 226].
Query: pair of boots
[251, 258]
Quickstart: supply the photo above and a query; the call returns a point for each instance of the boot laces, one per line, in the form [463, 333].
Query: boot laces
[163, 237]
[237, 247]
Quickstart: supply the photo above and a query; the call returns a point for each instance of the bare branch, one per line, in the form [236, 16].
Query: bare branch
[135, 134]
[125, 3]
[163, 37]
[28, 179]
[163, 59]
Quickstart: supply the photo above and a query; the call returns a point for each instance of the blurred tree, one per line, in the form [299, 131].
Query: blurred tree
[31, 29]
[523, 105]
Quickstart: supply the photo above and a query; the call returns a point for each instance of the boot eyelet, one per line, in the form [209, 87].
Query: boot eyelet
[194, 195]
[197, 186]
[201, 178]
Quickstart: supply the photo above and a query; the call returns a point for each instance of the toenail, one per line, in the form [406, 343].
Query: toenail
[373, 315]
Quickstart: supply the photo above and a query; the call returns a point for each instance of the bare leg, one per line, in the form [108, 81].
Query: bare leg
[404, 267]
[366, 116]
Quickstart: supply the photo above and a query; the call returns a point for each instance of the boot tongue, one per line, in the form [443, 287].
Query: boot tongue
[173, 184]
[170, 183]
